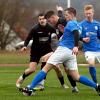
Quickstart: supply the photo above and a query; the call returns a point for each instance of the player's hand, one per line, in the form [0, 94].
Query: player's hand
[59, 8]
[23, 48]
[87, 39]
[75, 51]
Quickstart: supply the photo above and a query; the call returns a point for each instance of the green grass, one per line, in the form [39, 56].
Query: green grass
[14, 57]
[22, 58]
[53, 90]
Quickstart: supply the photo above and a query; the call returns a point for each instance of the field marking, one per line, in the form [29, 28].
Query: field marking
[83, 64]
[13, 65]
[20, 65]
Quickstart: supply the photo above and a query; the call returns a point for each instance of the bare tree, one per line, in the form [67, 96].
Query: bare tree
[7, 14]
[20, 15]
[11, 12]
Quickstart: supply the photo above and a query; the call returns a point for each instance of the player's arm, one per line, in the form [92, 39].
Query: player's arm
[83, 36]
[76, 39]
[29, 37]
[26, 42]
[60, 11]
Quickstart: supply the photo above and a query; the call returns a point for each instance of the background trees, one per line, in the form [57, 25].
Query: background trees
[18, 16]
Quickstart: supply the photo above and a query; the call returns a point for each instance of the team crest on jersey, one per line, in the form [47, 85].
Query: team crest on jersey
[85, 28]
[96, 27]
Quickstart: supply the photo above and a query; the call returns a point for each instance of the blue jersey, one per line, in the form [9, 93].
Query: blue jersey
[68, 35]
[92, 30]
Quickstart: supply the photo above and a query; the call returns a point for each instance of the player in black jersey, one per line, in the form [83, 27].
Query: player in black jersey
[41, 35]
[59, 22]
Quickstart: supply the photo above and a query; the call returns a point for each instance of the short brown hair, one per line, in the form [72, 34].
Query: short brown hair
[88, 7]
[49, 14]
[71, 10]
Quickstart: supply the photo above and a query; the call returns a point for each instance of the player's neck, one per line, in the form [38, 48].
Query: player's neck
[89, 20]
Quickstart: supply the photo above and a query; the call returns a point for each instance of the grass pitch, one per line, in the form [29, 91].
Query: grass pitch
[53, 90]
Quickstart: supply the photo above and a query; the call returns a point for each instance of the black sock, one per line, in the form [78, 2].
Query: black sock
[42, 65]
[24, 75]
[72, 82]
[61, 79]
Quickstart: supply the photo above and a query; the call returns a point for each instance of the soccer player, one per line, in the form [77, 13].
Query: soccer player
[41, 35]
[59, 22]
[90, 38]
[65, 53]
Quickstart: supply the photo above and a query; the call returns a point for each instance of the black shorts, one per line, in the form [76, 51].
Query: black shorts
[36, 54]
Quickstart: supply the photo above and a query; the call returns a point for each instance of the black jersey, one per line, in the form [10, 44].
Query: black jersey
[41, 36]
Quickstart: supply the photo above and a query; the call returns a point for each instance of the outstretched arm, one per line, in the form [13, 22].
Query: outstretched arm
[60, 11]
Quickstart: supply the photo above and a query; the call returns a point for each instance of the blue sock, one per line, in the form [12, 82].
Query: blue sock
[88, 82]
[39, 77]
[92, 71]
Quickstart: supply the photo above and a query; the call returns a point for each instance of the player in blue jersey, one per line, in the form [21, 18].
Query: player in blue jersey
[90, 38]
[65, 53]
[59, 22]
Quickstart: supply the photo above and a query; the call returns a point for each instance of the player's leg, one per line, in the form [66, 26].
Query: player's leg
[40, 85]
[34, 59]
[57, 69]
[84, 80]
[60, 76]
[54, 60]
[90, 58]
[73, 71]
[38, 78]
[27, 72]
[54, 45]
[71, 80]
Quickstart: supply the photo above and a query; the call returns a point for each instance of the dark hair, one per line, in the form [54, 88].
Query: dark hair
[49, 14]
[71, 10]
[41, 14]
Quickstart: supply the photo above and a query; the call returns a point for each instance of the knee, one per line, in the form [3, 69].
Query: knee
[76, 78]
[32, 69]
